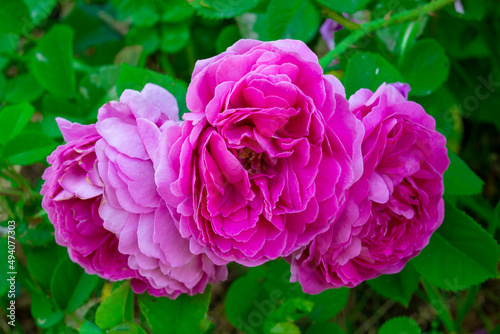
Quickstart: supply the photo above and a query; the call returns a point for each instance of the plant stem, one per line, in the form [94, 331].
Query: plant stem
[372, 26]
[11, 192]
[348, 24]
[441, 307]
[74, 317]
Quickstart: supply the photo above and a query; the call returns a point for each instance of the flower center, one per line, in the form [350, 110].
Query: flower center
[251, 161]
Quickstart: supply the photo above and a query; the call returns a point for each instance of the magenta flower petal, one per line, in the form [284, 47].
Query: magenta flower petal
[396, 205]
[263, 163]
[72, 194]
[147, 230]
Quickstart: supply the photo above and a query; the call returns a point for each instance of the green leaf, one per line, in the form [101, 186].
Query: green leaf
[40, 9]
[4, 266]
[127, 328]
[44, 310]
[344, 6]
[399, 287]
[147, 37]
[3, 84]
[175, 11]
[443, 106]
[64, 280]
[400, 325]
[254, 26]
[96, 89]
[135, 78]
[41, 263]
[13, 119]
[8, 44]
[460, 253]
[289, 311]
[60, 328]
[459, 179]
[53, 107]
[218, 9]
[324, 327]
[328, 303]
[86, 284]
[23, 88]
[296, 19]
[400, 37]
[28, 148]
[473, 10]
[254, 297]
[52, 62]
[145, 13]
[285, 328]
[15, 18]
[174, 37]
[89, 328]
[182, 315]
[227, 37]
[117, 308]
[42, 234]
[425, 67]
[95, 41]
[368, 70]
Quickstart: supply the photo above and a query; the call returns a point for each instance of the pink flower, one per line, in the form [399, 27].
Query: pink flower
[262, 164]
[72, 195]
[394, 208]
[132, 208]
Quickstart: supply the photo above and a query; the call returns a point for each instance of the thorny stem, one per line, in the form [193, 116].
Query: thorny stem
[348, 24]
[371, 26]
[441, 307]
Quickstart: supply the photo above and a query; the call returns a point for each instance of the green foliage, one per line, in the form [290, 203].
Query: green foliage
[117, 308]
[400, 325]
[89, 328]
[324, 327]
[41, 262]
[227, 37]
[182, 315]
[15, 18]
[368, 70]
[174, 37]
[460, 254]
[52, 62]
[425, 67]
[40, 9]
[70, 285]
[28, 148]
[217, 9]
[44, 309]
[12, 121]
[344, 6]
[296, 19]
[459, 179]
[264, 299]
[399, 287]
[22, 88]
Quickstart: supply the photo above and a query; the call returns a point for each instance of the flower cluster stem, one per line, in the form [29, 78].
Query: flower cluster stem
[370, 27]
[348, 24]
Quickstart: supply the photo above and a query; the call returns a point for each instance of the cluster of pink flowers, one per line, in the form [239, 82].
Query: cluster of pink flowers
[272, 161]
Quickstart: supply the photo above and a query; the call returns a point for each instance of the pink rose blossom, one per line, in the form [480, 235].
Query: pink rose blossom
[262, 163]
[132, 208]
[72, 195]
[394, 208]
